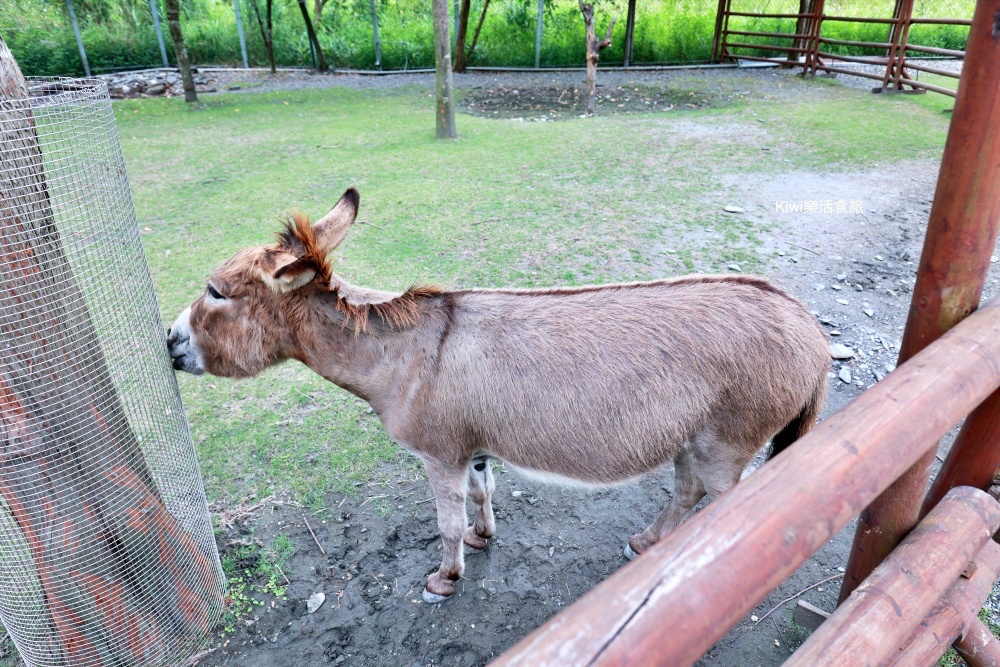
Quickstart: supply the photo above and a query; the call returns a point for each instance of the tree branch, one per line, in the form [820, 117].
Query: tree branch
[606, 42]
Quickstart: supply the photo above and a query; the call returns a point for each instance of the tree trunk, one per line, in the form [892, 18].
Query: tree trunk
[594, 48]
[442, 55]
[320, 59]
[461, 30]
[266, 32]
[174, 22]
[318, 6]
[475, 35]
[72, 475]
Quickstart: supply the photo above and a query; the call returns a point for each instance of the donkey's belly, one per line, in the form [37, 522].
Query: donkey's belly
[598, 464]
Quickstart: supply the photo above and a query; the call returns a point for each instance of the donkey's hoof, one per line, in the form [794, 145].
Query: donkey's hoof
[629, 552]
[474, 542]
[433, 598]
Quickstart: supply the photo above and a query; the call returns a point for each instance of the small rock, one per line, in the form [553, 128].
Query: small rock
[993, 259]
[878, 257]
[734, 267]
[844, 375]
[820, 287]
[781, 253]
[315, 602]
[834, 332]
[532, 501]
[836, 287]
[517, 494]
[841, 351]
[843, 301]
[859, 287]
[869, 312]
[841, 277]
[733, 209]
[754, 618]
[233, 88]
[840, 569]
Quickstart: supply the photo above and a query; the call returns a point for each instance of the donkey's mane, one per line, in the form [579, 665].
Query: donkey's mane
[399, 311]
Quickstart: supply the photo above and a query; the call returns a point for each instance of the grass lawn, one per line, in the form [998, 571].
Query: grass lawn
[509, 204]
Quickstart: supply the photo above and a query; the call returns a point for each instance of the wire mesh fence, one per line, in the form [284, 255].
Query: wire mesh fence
[106, 549]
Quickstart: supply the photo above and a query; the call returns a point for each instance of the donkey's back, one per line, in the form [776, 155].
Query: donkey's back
[602, 384]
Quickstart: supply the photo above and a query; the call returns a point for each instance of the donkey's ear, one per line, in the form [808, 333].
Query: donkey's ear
[331, 229]
[284, 272]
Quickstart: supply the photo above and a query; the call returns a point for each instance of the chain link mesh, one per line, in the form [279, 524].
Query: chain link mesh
[107, 555]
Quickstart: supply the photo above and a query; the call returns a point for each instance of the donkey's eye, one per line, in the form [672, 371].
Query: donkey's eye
[214, 293]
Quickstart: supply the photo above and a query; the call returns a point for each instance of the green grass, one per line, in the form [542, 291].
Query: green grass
[509, 204]
[119, 33]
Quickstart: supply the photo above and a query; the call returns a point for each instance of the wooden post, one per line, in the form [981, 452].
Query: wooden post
[594, 48]
[72, 474]
[445, 114]
[952, 617]
[961, 235]
[880, 614]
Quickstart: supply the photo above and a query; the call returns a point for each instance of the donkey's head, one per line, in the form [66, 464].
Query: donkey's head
[239, 326]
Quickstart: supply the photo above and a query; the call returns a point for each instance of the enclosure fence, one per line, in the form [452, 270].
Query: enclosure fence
[923, 562]
[107, 555]
[808, 48]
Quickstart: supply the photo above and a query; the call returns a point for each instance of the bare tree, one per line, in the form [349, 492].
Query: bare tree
[463, 56]
[266, 30]
[442, 56]
[594, 48]
[174, 22]
[318, 6]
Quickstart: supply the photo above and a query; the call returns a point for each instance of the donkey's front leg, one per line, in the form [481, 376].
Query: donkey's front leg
[449, 485]
[481, 486]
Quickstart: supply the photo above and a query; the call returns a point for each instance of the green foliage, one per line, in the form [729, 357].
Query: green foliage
[119, 33]
[253, 573]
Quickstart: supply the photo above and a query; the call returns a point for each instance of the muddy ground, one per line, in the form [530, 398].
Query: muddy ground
[854, 270]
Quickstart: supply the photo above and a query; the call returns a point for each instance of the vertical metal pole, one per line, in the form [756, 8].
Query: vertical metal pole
[961, 235]
[79, 39]
[378, 44]
[629, 31]
[538, 33]
[159, 31]
[239, 31]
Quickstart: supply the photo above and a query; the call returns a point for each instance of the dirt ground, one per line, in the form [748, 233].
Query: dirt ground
[853, 270]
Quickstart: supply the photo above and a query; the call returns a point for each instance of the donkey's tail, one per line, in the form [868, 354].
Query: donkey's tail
[802, 424]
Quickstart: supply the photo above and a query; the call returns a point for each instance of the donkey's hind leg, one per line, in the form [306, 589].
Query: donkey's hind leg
[481, 486]
[688, 490]
[449, 485]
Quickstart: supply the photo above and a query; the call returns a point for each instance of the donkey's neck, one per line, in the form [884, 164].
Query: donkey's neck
[380, 363]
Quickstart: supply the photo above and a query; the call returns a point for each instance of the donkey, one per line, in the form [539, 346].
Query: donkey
[592, 385]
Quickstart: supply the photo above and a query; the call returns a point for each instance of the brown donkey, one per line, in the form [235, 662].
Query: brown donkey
[593, 385]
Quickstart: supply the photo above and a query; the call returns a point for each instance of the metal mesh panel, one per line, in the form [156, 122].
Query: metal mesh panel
[106, 549]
